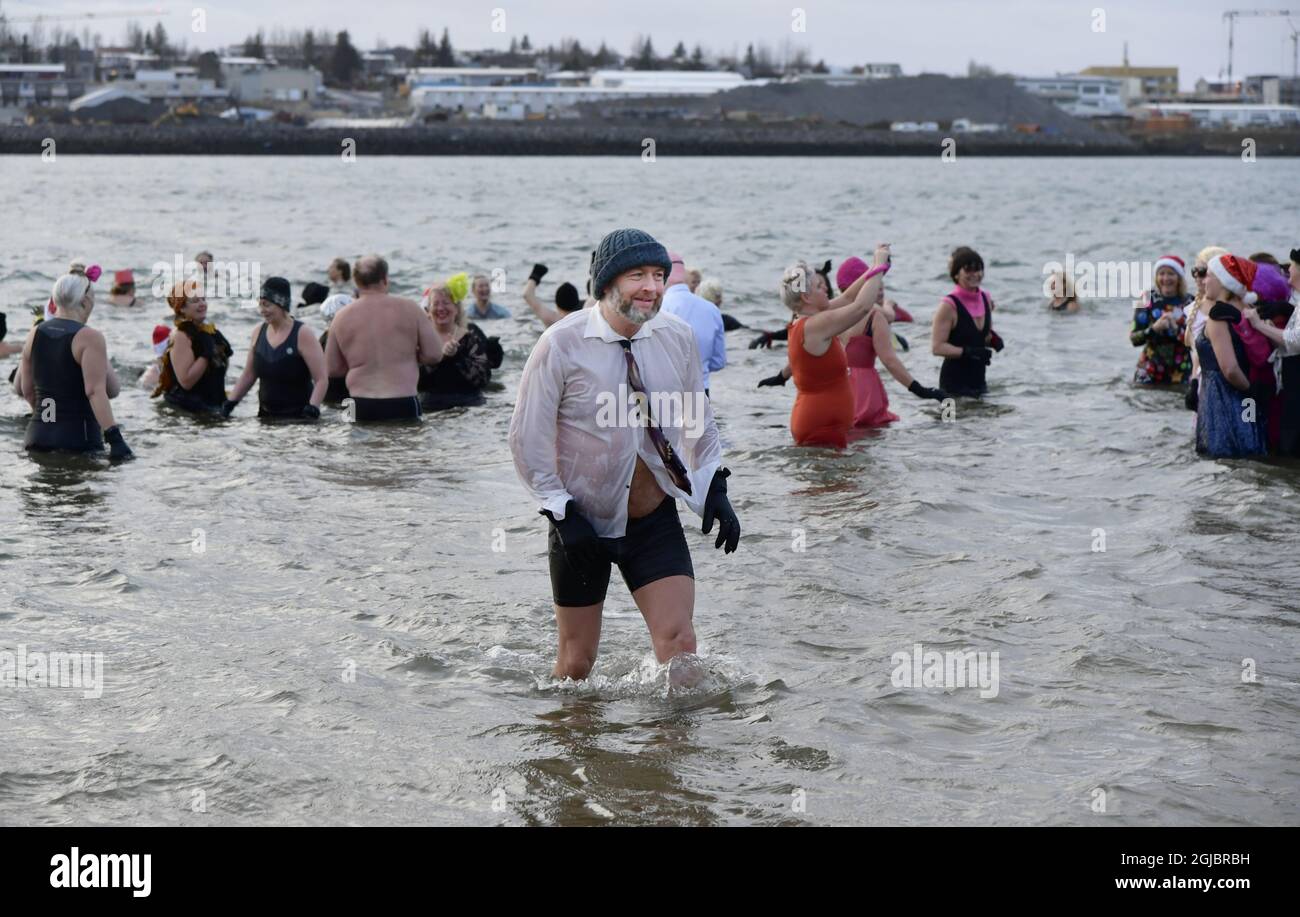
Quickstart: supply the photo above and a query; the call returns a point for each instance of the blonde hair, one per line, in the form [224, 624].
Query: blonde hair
[1209, 253]
[70, 289]
[462, 320]
[711, 290]
[794, 283]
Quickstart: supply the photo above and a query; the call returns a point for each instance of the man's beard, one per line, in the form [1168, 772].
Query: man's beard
[630, 311]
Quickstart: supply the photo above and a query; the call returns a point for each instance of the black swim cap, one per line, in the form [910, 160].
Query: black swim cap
[314, 294]
[276, 290]
[566, 298]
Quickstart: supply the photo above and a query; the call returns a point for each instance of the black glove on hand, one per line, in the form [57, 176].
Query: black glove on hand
[983, 354]
[995, 341]
[920, 391]
[4, 326]
[763, 340]
[227, 406]
[311, 412]
[716, 505]
[539, 271]
[117, 447]
[1192, 399]
[778, 379]
[581, 545]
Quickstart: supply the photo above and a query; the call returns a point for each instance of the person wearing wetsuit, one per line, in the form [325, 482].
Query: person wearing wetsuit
[193, 375]
[285, 360]
[468, 356]
[67, 378]
[962, 332]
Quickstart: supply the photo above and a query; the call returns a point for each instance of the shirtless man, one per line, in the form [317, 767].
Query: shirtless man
[378, 342]
[610, 488]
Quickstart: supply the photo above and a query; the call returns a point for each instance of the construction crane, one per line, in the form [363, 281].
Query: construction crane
[1233, 15]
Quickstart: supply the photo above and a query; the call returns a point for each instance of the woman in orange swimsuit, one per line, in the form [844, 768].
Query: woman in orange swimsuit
[823, 410]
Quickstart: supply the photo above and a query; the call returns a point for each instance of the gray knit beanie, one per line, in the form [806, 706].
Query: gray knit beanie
[622, 250]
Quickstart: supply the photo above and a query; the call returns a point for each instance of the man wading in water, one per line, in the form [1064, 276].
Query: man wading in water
[378, 342]
[610, 488]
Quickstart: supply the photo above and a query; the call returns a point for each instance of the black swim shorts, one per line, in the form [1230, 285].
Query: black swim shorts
[653, 547]
[369, 410]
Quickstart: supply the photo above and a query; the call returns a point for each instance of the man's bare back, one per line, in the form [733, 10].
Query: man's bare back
[379, 341]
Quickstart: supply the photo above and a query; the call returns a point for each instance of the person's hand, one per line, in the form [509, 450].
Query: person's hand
[1252, 316]
[118, 450]
[764, 340]
[983, 354]
[449, 349]
[717, 506]
[882, 255]
[311, 412]
[934, 394]
[995, 341]
[778, 379]
[4, 326]
[539, 271]
[825, 269]
[227, 407]
[577, 537]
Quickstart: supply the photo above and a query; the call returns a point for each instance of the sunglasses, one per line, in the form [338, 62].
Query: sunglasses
[1199, 272]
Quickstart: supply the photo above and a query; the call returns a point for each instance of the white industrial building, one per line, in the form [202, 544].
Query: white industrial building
[478, 94]
[1085, 96]
[252, 81]
[1230, 115]
[175, 85]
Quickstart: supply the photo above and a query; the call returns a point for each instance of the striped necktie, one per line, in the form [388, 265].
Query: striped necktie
[676, 470]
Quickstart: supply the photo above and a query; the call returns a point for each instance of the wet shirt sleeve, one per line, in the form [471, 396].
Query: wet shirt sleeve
[533, 427]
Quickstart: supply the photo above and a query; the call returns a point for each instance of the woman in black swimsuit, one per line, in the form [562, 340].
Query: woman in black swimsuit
[284, 358]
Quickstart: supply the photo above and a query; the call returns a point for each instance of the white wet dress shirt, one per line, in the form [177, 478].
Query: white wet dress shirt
[573, 435]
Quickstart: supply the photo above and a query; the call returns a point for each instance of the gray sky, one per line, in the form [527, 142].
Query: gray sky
[1031, 37]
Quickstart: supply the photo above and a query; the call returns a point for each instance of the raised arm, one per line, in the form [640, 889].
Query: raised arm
[547, 315]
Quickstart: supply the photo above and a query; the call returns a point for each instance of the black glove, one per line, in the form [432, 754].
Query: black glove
[581, 545]
[920, 391]
[983, 354]
[4, 326]
[763, 340]
[311, 412]
[995, 341]
[1192, 399]
[716, 505]
[778, 379]
[118, 450]
[825, 270]
[227, 406]
[539, 271]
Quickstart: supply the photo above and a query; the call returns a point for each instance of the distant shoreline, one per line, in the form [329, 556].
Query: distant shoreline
[598, 138]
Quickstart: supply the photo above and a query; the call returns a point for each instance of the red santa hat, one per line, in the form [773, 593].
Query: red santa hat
[161, 335]
[1172, 261]
[1237, 276]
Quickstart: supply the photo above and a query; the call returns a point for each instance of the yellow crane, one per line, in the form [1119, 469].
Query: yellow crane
[1233, 15]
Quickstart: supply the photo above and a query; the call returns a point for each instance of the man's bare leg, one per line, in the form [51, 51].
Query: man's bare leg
[579, 630]
[668, 606]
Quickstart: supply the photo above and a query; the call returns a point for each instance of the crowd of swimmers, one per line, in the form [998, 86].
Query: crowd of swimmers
[1231, 345]
[647, 327]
